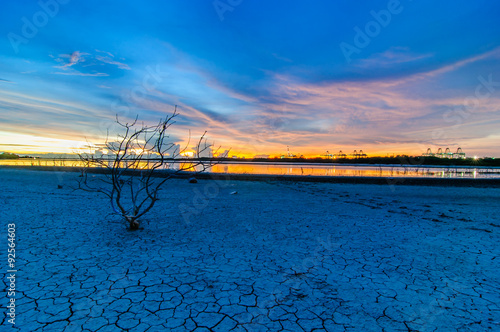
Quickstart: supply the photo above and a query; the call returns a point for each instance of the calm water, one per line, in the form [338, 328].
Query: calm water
[358, 170]
[311, 169]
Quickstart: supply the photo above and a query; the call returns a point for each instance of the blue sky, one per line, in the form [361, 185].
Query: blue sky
[258, 75]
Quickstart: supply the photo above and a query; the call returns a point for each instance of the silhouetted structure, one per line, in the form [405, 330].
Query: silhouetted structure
[446, 154]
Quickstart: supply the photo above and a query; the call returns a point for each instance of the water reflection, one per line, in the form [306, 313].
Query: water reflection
[299, 169]
[340, 170]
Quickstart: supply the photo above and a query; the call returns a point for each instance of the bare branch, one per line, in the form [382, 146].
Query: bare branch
[138, 154]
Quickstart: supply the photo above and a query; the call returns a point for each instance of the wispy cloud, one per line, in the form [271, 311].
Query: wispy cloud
[281, 58]
[375, 115]
[29, 114]
[69, 60]
[23, 145]
[493, 54]
[392, 57]
[76, 73]
[105, 52]
[378, 114]
[79, 63]
[110, 61]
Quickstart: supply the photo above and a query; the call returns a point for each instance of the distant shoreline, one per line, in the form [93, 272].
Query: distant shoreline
[402, 161]
[392, 181]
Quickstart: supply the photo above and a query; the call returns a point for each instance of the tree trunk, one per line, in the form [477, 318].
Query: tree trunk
[133, 223]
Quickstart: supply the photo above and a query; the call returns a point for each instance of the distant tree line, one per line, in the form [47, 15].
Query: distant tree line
[7, 155]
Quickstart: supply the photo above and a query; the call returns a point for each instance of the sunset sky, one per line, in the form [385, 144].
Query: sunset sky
[381, 76]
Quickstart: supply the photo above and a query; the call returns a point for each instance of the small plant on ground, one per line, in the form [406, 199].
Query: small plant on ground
[137, 165]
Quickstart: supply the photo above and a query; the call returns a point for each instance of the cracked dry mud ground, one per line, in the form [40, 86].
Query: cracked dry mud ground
[274, 257]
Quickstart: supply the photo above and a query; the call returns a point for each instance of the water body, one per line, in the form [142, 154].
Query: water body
[357, 170]
[309, 169]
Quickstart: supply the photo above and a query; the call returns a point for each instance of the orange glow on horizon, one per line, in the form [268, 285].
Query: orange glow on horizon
[23, 144]
[29, 144]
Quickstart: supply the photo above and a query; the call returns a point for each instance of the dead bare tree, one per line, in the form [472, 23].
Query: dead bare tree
[130, 178]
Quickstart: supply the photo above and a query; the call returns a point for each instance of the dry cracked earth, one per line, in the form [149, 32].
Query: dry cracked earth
[273, 257]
